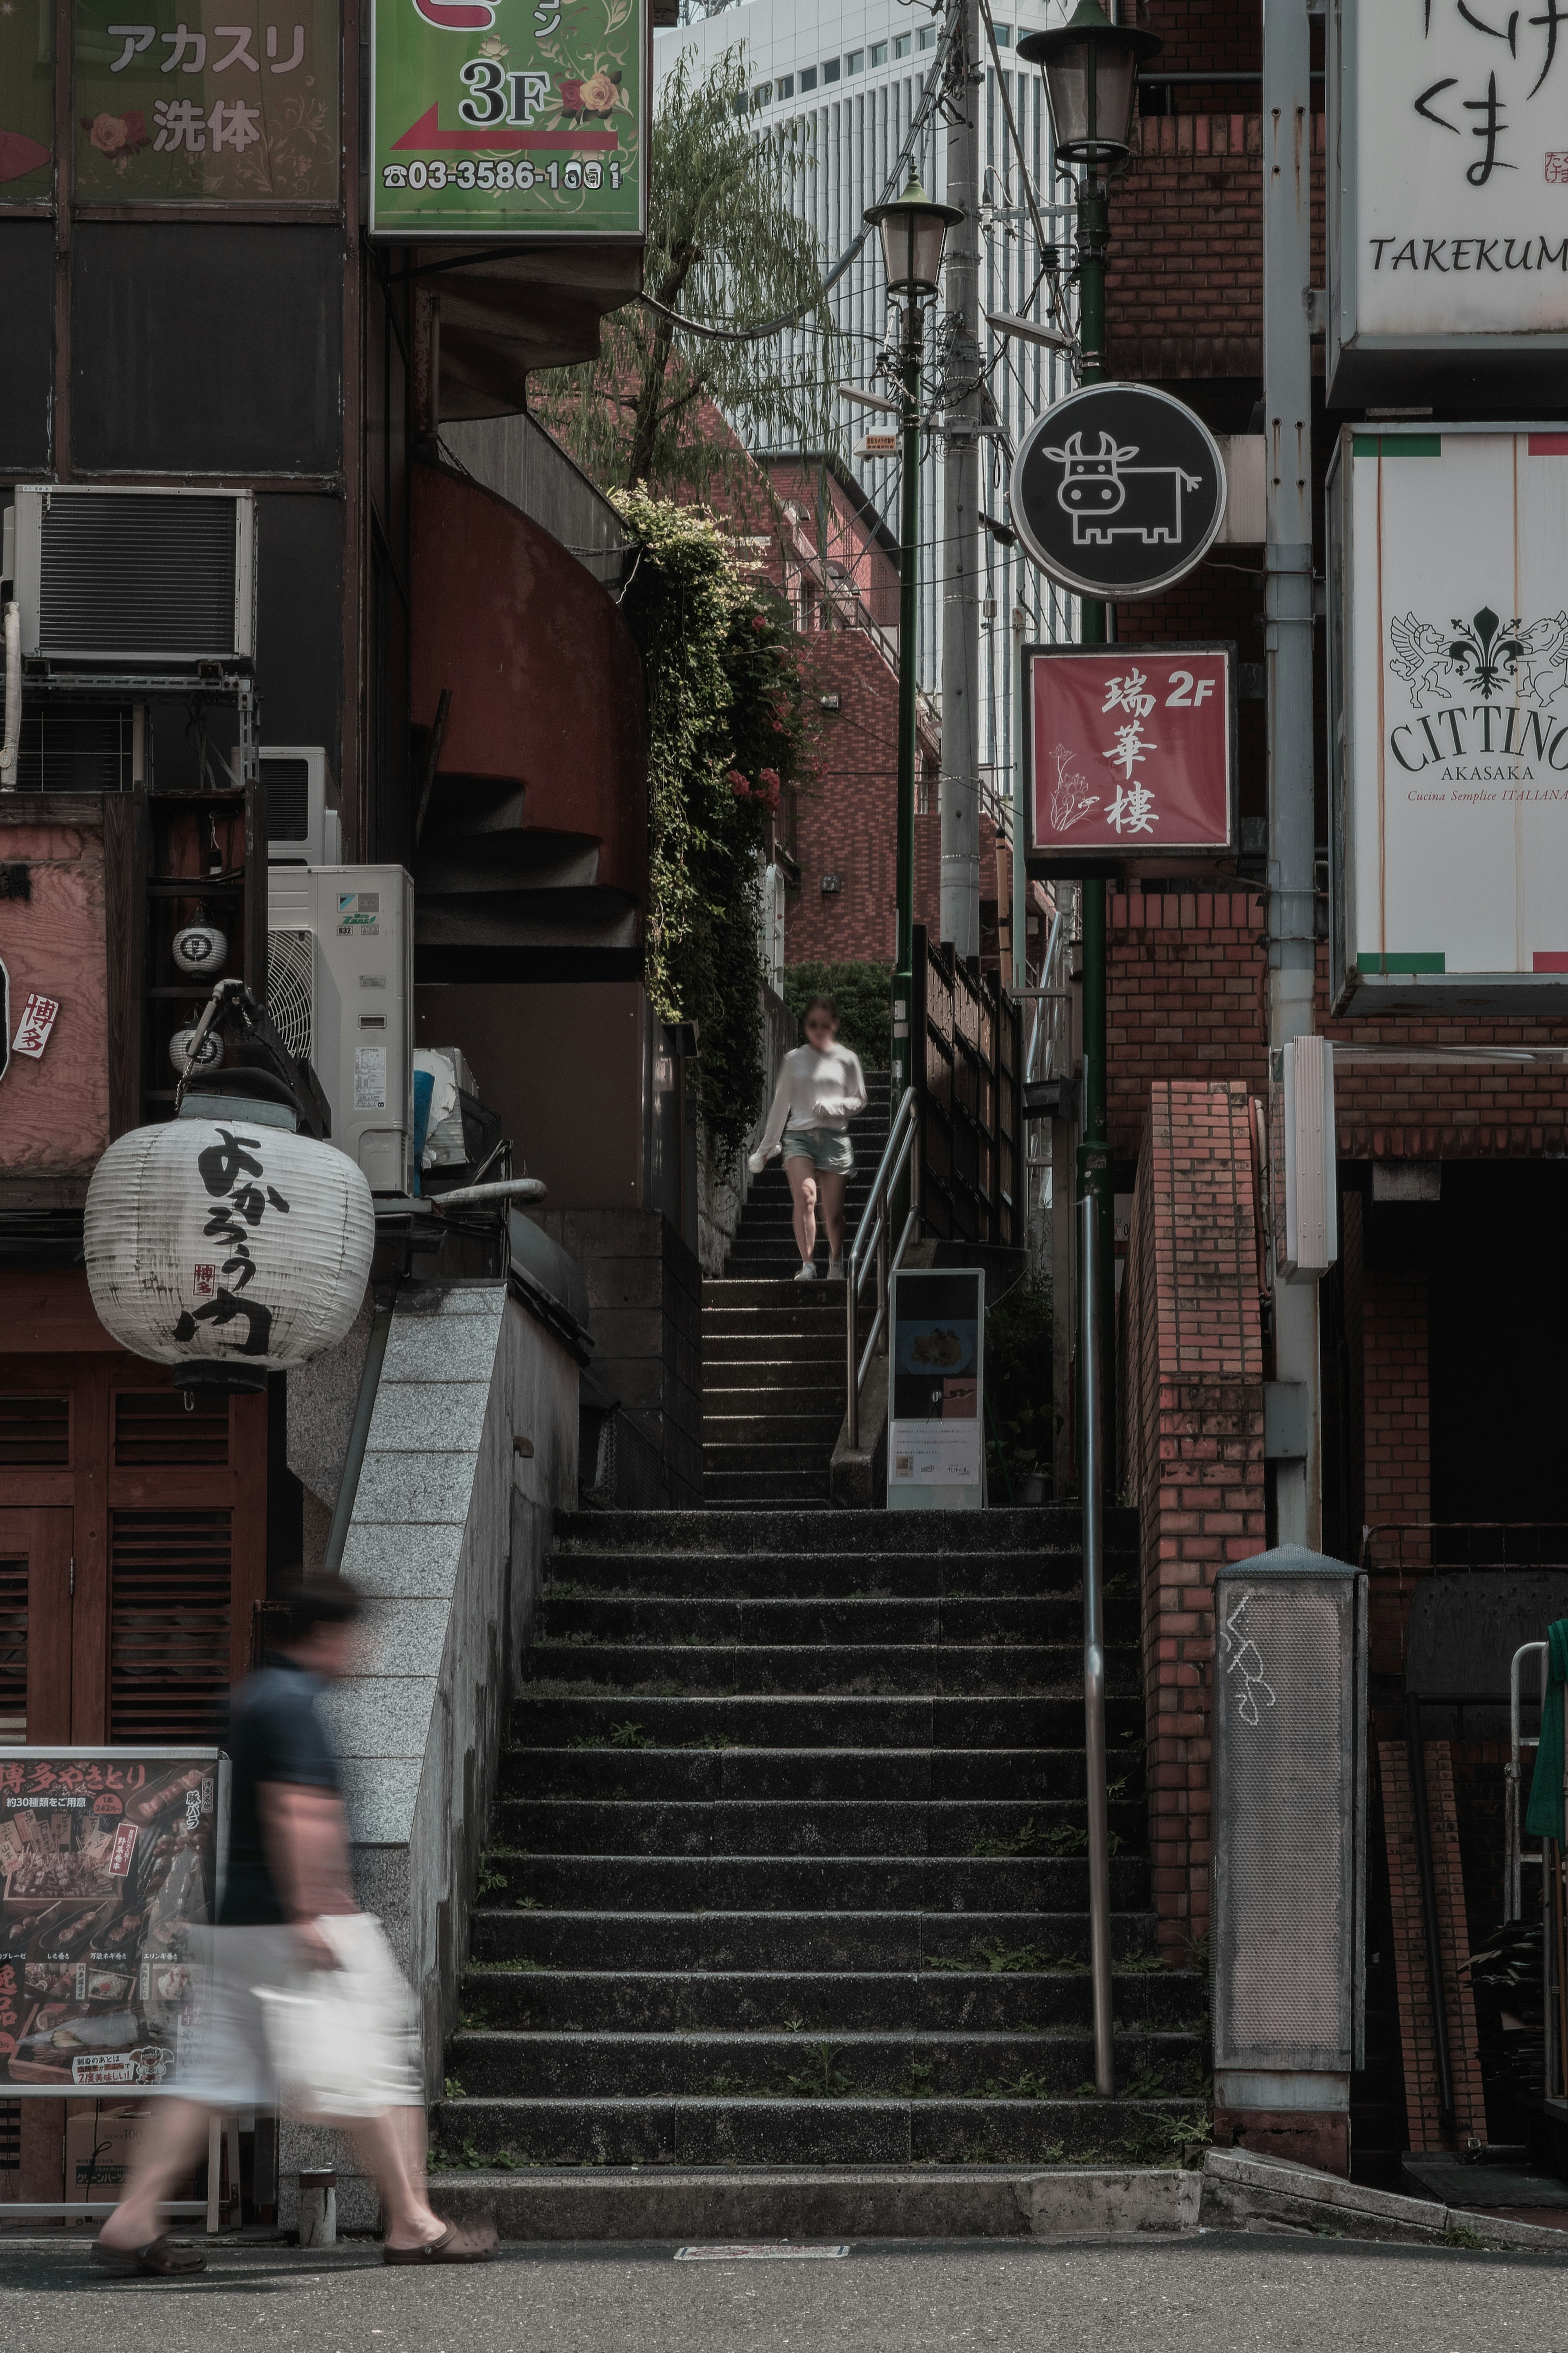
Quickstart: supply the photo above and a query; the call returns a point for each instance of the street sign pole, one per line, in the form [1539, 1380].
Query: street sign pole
[1094, 1142]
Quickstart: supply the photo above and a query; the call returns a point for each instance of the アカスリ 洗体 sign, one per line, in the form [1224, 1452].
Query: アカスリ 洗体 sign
[508, 118]
[1128, 751]
[1447, 195]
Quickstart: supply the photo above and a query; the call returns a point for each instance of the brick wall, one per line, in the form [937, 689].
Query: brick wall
[1204, 35]
[1419, 2037]
[846, 822]
[1185, 998]
[1184, 291]
[1194, 1410]
[1397, 1477]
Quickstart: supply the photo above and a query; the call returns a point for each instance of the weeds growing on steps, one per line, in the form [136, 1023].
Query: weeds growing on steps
[1066, 1838]
[490, 1881]
[1170, 2140]
[822, 2079]
[1029, 2085]
[1009, 1958]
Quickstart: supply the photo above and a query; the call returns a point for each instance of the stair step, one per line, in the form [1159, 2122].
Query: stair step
[955, 1828]
[686, 1777]
[824, 1668]
[798, 1488]
[936, 1723]
[705, 2065]
[721, 2132]
[852, 1883]
[828, 1573]
[989, 1621]
[934, 2001]
[763, 1427]
[700, 1943]
[921, 1534]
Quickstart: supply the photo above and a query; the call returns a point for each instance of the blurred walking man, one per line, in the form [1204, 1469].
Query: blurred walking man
[287, 1881]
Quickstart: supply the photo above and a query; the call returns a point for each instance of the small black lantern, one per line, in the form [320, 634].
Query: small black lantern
[1092, 82]
[914, 230]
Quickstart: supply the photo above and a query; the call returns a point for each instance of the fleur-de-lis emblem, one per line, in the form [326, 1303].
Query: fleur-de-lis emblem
[1477, 648]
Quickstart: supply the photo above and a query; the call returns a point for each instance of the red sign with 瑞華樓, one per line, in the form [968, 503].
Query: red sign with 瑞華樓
[1130, 751]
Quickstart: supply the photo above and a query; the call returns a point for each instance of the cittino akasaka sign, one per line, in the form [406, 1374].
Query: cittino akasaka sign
[1448, 199]
[1448, 718]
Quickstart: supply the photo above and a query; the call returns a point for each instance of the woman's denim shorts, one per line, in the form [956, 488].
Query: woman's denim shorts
[828, 1147]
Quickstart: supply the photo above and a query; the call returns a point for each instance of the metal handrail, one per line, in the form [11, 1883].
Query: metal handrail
[871, 1240]
[1094, 1668]
[1513, 1828]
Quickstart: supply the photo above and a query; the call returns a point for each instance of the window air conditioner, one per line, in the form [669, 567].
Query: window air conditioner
[339, 985]
[302, 830]
[148, 578]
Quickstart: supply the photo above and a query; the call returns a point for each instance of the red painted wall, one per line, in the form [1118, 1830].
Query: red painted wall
[546, 680]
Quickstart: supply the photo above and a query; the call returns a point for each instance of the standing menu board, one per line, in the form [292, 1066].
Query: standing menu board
[110, 1859]
[936, 1390]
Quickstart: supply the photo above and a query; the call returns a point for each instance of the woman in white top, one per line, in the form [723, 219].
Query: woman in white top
[821, 1087]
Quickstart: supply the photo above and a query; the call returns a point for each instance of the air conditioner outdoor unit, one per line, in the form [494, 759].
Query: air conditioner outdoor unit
[158, 579]
[301, 828]
[340, 986]
[1303, 1164]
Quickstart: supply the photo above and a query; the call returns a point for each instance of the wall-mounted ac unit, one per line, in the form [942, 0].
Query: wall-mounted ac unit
[154, 579]
[341, 988]
[1303, 1171]
[301, 829]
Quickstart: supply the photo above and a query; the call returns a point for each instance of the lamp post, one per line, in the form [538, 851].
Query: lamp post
[912, 231]
[1091, 85]
[1090, 67]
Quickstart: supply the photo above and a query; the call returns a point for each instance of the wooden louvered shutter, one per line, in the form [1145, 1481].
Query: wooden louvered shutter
[169, 1624]
[13, 1651]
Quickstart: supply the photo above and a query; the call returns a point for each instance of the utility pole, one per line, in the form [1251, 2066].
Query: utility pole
[1287, 594]
[909, 354]
[959, 570]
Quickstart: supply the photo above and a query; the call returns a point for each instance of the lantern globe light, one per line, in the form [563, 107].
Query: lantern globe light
[912, 230]
[1092, 82]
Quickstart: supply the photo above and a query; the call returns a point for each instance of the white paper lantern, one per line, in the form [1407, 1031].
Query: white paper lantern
[201, 948]
[228, 1240]
[209, 1053]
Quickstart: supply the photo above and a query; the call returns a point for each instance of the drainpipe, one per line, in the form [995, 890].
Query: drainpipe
[1287, 594]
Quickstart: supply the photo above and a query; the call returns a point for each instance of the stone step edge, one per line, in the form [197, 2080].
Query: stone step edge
[771, 2204]
[719, 2205]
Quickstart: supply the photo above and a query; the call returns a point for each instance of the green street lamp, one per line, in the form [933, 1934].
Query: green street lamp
[914, 230]
[1091, 68]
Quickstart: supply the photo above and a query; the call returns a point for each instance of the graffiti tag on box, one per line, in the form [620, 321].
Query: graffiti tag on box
[106, 1865]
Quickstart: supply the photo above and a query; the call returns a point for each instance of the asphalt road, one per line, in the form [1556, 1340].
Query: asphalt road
[1217, 2293]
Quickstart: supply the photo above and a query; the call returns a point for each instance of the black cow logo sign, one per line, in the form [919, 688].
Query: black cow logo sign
[1118, 491]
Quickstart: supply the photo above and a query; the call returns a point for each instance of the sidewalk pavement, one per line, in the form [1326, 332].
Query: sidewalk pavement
[1218, 2292]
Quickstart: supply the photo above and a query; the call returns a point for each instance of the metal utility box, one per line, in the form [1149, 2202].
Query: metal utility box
[936, 1389]
[1289, 1817]
[1448, 719]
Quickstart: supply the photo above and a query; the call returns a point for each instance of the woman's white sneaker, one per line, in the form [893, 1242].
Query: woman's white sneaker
[807, 1274]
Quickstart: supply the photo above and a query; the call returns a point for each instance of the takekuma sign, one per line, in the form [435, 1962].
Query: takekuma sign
[508, 118]
[1130, 753]
[1448, 718]
[1447, 188]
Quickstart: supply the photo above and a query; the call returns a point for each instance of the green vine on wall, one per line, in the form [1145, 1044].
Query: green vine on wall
[726, 739]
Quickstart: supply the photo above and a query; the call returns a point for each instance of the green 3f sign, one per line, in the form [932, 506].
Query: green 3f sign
[508, 118]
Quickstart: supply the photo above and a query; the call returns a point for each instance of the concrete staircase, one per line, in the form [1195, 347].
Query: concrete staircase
[789, 1874]
[772, 1349]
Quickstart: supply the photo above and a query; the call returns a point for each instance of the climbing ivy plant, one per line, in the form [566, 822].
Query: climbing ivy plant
[726, 737]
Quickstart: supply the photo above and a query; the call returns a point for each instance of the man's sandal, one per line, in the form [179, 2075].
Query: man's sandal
[478, 2244]
[162, 2258]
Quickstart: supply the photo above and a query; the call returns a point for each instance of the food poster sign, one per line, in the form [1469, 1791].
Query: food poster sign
[1130, 751]
[510, 117]
[1451, 653]
[936, 1430]
[176, 106]
[108, 1863]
